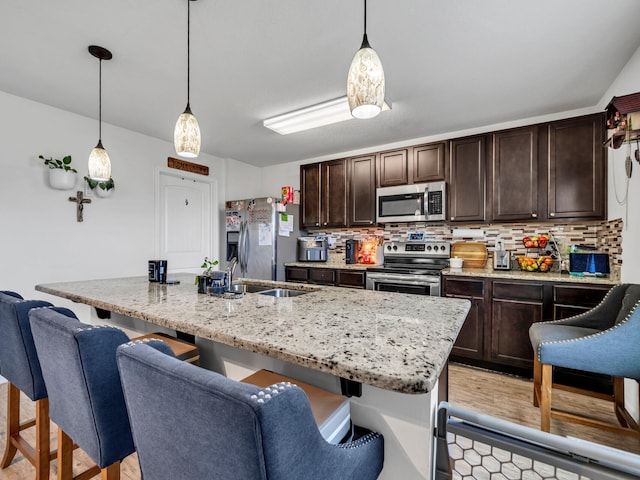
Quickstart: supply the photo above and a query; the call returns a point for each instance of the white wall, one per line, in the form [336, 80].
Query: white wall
[40, 240]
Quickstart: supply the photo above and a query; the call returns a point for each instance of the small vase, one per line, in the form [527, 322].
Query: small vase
[62, 179]
[99, 192]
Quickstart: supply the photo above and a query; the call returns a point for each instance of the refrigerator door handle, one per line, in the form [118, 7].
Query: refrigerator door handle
[240, 243]
[245, 248]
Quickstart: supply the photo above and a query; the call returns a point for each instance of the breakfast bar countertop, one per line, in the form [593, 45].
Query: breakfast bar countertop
[393, 341]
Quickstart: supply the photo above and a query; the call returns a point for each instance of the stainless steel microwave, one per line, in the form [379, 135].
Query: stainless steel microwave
[420, 202]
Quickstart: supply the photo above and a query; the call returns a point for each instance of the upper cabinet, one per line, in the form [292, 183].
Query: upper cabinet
[466, 172]
[419, 164]
[514, 174]
[362, 192]
[577, 174]
[394, 168]
[324, 192]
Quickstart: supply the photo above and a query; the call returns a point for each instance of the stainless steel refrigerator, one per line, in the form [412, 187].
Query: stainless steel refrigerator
[261, 237]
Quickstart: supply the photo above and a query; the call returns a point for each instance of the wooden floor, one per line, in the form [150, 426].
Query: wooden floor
[498, 395]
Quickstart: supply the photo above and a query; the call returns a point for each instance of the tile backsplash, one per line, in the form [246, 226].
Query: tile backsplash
[605, 236]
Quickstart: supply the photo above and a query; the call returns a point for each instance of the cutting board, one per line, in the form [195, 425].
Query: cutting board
[474, 254]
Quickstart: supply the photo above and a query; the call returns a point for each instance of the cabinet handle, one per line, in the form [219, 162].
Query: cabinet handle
[453, 218]
[317, 224]
[370, 222]
[325, 223]
[534, 215]
[552, 214]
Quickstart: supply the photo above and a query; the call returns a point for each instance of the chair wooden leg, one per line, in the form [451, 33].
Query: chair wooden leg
[545, 397]
[65, 456]
[618, 399]
[13, 424]
[112, 472]
[43, 431]
[537, 372]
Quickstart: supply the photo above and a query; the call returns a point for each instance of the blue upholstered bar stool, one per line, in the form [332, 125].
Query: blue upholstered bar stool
[20, 366]
[85, 395]
[191, 423]
[605, 340]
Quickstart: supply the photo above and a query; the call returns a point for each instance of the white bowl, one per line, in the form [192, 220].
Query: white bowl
[456, 262]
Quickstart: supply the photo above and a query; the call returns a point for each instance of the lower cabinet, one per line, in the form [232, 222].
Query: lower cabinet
[334, 277]
[495, 334]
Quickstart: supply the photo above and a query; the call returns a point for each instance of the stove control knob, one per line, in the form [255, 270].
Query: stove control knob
[443, 248]
[389, 247]
[428, 248]
[395, 247]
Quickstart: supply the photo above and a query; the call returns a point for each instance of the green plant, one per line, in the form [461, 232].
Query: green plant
[208, 265]
[108, 185]
[64, 164]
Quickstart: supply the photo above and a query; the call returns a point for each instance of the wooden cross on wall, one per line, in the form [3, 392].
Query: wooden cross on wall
[80, 201]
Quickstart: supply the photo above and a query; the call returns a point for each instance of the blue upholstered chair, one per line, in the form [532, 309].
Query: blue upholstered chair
[191, 423]
[605, 340]
[85, 395]
[20, 366]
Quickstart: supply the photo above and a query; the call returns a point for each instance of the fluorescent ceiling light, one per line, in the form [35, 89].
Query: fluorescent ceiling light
[325, 113]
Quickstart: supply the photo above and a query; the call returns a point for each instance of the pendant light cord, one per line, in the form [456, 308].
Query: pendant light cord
[100, 103]
[365, 40]
[188, 50]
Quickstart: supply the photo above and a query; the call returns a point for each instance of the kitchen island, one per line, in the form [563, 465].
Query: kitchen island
[393, 346]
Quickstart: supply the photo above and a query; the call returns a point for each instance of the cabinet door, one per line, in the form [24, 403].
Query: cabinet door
[514, 308]
[335, 192]
[514, 174]
[351, 278]
[467, 179]
[310, 192]
[570, 300]
[322, 276]
[296, 274]
[428, 163]
[362, 201]
[394, 168]
[576, 169]
[470, 341]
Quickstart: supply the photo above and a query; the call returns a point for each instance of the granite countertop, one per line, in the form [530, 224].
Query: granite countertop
[552, 276]
[393, 341]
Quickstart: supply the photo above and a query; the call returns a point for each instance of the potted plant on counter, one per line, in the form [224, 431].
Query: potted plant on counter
[209, 276]
[101, 189]
[62, 176]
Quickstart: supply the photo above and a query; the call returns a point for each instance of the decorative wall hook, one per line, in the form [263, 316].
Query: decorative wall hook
[80, 201]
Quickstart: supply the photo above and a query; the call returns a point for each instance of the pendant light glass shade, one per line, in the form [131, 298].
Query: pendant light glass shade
[186, 136]
[365, 82]
[99, 164]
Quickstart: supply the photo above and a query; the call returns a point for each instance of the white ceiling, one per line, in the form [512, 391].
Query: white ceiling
[449, 64]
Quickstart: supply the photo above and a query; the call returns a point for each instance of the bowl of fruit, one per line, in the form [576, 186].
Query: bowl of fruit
[536, 241]
[541, 264]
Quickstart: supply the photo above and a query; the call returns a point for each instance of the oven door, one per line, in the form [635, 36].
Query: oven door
[404, 283]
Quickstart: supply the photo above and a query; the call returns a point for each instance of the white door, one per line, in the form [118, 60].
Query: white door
[184, 222]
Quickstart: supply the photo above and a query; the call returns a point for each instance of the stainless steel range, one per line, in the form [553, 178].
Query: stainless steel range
[410, 267]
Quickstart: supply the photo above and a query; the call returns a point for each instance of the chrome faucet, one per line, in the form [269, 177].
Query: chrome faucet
[228, 278]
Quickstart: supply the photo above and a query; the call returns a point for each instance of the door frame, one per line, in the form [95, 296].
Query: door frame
[214, 237]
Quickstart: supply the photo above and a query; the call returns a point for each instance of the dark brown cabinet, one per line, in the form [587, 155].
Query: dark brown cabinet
[576, 174]
[326, 276]
[323, 194]
[429, 162]
[495, 334]
[362, 194]
[470, 341]
[467, 181]
[393, 168]
[515, 306]
[514, 174]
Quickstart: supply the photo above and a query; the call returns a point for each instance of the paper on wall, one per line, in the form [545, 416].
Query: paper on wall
[285, 226]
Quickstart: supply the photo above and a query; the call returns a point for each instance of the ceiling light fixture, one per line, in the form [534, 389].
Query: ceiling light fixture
[365, 83]
[318, 115]
[186, 136]
[99, 162]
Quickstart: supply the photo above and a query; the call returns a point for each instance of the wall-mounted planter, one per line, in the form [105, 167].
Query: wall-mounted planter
[99, 192]
[62, 179]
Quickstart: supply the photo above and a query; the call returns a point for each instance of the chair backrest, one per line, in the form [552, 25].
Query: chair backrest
[219, 428]
[628, 301]
[18, 358]
[85, 395]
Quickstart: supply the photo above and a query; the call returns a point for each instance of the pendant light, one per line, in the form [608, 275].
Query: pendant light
[186, 136]
[99, 163]
[365, 83]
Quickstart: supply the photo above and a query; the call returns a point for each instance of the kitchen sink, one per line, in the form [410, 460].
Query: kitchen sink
[249, 288]
[283, 292]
